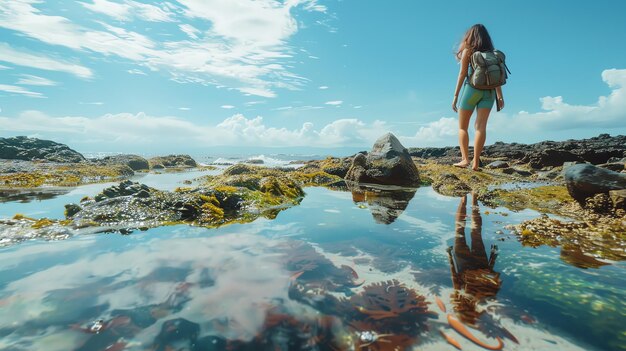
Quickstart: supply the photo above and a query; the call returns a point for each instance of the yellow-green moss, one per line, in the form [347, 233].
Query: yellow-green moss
[546, 199]
[226, 189]
[41, 223]
[65, 175]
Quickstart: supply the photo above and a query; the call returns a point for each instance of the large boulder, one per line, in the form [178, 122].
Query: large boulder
[31, 149]
[135, 162]
[584, 181]
[388, 163]
[172, 161]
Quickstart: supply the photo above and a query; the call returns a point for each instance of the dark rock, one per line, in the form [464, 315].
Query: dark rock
[613, 166]
[255, 161]
[585, 180]
[172, 161]
[523, 172]
[135, 162]
[601, 149]
[71, 210]
[550, 157]
[125, 188]
[508, 170]
[497, 165]
[388, 163]
[31, 149]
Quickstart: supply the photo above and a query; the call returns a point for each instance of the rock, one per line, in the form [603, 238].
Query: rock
[135, 162]
[613, 166]
[172, 161]
[598, 150]
[71, 210]
[31, 149]
[497, 165]
[255, 161]
[450, 185]
[585, 180]
[388, 163]
[550, 157]
[240, 169]
[125, 188]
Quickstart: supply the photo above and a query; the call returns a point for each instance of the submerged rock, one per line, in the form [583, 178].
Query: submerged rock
[388, 163]
[585, 180]
[449, 184]
[30, 149]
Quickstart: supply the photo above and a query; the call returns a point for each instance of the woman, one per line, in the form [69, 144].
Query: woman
[476, 39]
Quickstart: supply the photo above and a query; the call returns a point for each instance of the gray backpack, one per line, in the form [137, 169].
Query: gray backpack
[488, 69]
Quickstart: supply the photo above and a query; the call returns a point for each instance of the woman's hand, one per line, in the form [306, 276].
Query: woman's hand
[500, 103]
[456, 98]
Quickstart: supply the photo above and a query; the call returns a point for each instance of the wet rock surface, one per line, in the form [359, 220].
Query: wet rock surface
[585, 180]
[388, 163]
[135, 162]
[31, 149]
[172, 161]
[241, 194]
[596, 150]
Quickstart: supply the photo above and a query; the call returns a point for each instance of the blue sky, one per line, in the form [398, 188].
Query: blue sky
[141, 76]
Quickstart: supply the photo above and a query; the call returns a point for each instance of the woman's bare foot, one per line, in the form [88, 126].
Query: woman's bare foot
[462, 164]
[476, 166]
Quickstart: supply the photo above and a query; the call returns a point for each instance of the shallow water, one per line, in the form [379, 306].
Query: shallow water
[315, 278]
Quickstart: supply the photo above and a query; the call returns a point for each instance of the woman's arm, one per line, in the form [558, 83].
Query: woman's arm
[462, 75]
[500, 97]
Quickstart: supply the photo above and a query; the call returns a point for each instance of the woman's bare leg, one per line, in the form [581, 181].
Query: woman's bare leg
[482, 115]
[464, 118]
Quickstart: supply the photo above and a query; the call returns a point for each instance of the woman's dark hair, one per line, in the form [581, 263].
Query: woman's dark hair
[476, 38]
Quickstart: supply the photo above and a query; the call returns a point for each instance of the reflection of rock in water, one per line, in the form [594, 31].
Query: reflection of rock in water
[386, 204]
[25, 196]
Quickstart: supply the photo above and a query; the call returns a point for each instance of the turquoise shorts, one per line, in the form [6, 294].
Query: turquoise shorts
[476, 98]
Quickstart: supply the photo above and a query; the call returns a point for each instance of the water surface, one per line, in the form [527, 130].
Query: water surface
[320, 276]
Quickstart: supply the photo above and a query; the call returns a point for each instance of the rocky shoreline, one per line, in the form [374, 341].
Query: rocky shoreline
[584, 194]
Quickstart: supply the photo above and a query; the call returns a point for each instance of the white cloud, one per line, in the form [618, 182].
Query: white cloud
[137, 71]
[128, 131]
[27, 79]
[557, 116]
[190, 30]
[184, 108]
[245, 47]
[20, 58]
[323, 87]
[334, 103]
[228, 107]
[19, 90]
[4, 67]
[128, 9]
[433, 133]
[92, 103]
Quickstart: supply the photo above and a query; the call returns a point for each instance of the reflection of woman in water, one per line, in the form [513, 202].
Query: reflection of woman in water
[473, 276]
